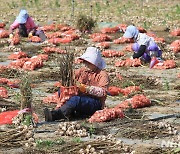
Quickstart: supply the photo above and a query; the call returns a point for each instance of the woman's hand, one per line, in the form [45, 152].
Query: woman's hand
[81, 87]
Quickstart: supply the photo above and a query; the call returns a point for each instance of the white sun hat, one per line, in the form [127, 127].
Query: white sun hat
[131, 32]
[22, 17]
[93, 56]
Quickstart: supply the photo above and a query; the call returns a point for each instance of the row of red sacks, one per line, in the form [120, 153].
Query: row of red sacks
[10, 83]
[114, 91]
[112, 53]
[137, 101]
[165, 64]
[7, 117]
[128, 62]
[175, 46]
[122, 27]
[29, 63]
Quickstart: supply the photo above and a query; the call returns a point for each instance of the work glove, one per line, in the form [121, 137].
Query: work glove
[30, 35]
[131, 57]
[82, 87]
[10, 36]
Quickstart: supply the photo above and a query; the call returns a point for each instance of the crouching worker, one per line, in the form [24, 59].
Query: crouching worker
[144, 46]
[26, 26]
[93, 86]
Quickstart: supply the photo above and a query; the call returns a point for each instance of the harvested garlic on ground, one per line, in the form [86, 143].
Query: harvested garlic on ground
[31, 139]
[88, 146]
[92, 149]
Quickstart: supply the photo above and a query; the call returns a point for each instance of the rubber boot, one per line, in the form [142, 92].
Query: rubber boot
[153, 62]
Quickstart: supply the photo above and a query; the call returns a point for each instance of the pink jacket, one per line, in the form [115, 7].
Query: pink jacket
[29, 25]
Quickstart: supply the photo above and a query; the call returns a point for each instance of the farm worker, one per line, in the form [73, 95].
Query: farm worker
[144, 46]
[93, 87]
[26, 26]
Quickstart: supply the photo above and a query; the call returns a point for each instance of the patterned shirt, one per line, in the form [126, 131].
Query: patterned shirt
[97, 82]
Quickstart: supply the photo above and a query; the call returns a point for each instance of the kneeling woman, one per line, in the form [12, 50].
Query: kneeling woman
[93, 86]
[144, 46]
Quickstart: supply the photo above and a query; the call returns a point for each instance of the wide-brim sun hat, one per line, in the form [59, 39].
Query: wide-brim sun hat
[22, 17]
[93, 56]
[131, 32]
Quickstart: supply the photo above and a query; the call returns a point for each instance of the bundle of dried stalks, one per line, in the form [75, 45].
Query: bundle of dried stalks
[26, 91]
[15, 137]
[65, 64]
[102, 145]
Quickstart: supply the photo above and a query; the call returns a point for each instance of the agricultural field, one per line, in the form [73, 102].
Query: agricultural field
[154, 128]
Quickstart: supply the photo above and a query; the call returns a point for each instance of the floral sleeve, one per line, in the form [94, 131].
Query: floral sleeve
[96, 91]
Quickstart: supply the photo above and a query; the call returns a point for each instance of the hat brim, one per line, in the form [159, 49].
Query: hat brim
[103, 63]
[127, 34]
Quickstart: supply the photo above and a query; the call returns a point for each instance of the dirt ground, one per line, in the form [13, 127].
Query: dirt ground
[139, 130]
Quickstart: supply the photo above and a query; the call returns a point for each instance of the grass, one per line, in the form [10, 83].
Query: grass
[76, 140]
[49, 143]
[91, 130]
[102, 10]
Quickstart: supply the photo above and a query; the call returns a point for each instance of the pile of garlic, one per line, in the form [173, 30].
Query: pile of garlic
[170, 129]
[169, 55]
[105, 140]
[89, 149]
[30, 138]
[11, 48]
[3, 41]
[117, 143]
[71, 129]
[2, 109]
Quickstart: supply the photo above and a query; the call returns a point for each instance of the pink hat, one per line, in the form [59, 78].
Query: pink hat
[93, 56]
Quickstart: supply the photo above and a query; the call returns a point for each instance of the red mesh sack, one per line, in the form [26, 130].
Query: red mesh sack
[53, 49]
[51, 27]
[104, 45]
[43, 57]
[2, 25]
[4, 33]
[14, 83]
[35, 39]
[137, 101]
[3, 92]
[175, 46]
[17, 55]
[175, 32]
[6, 117]
[128, 62]
[65, 94]
[52, 98]
[123, 40]
[114, 91]
[3, 80]
[159, 39]
[109, 30]
[122, 27]
[18, 63]
[53, 35]
[166, 65]
[15, 40]
[106, 115]
[130, 89]
[101, 38]
[57, 84]
[142, 30]
[128, 48]
[33, 64]
[112, 53]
